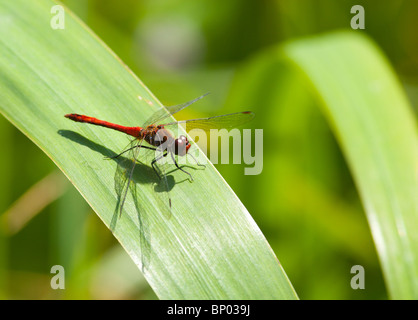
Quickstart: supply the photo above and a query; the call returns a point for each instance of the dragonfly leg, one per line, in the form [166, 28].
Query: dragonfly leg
[154, 161]
[175, 162]
[131, 148]
[197, 162]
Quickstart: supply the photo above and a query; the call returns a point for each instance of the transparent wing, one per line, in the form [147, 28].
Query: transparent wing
[125, 181]
[153, 170]
[226, 121]
[124, 172]
[163, 187]
[166, 112]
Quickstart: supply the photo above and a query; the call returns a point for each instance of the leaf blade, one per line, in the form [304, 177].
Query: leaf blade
[377, 132]
[45, 74]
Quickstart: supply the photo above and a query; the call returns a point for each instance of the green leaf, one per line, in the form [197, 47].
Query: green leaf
[210, 247]
[375, 126]
[368, 111]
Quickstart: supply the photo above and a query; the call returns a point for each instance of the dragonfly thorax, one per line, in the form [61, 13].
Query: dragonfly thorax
[160, 137]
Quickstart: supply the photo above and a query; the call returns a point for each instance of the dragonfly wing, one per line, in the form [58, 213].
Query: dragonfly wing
[160, 164]
[125, 181]
[166, 112]
[226, 121]
[124, 172]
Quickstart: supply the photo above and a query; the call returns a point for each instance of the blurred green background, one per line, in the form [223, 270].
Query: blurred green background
[304, 201]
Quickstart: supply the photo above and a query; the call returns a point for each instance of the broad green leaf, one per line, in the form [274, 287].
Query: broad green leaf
[369, 114]
[209, 247]
[374, 123]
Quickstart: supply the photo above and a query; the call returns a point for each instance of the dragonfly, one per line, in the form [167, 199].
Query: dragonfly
[156, 135]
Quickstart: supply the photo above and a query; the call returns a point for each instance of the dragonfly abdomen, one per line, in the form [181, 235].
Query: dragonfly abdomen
[132, 131]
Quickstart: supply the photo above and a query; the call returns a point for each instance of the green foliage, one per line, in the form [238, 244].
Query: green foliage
[309, 199]
[199, 250]
[372, 120]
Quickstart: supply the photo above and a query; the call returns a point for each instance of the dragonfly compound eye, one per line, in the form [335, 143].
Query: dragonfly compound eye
[181, 146]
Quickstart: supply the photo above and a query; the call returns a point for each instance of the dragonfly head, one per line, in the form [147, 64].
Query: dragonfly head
[181, 146]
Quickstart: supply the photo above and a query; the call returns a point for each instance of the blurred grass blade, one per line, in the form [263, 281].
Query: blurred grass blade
[33, 201]
[211, 247]
[374, 124]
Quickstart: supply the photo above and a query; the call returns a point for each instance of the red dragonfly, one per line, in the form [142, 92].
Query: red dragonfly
[160, 139]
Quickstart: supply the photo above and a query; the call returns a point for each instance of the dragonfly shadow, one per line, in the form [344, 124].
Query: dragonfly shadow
[142, 174]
